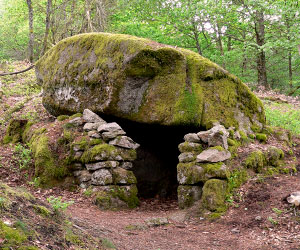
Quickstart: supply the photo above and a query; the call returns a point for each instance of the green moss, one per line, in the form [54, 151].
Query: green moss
[274, 156]
[94, 142]
[190, 147]
[219, 148]
[13, 237]
[107, 152]
[261, 137]
[122, 176]
[182, 87]
[193, 173]
[214, 195]
[107, 199]
[82, 143]
[256, 161]
[62, 118]
[268, 130]
[252, 136]
[75, 116]
[68, 135]
[45, 161]
[14, 131]
[255, 128]
[42, 210]
[231, 142]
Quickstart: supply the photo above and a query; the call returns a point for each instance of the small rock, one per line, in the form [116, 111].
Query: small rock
[101, 164]
[89, 116]
[92, 126]
[83, 175]
[102, 177]
[186, 157]
[192, 137]
[124, 142]
[235, 230]
[110, 131]
[294, 198]
[76, 121]
[94, 134]
[258, 218]
[213, 155]
[156, 222]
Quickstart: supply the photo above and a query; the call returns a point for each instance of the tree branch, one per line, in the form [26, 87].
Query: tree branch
[17, 72]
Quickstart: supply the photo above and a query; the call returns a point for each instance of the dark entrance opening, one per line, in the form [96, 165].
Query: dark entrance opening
[156, 165]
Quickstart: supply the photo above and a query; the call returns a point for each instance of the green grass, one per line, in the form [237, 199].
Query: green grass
[283, 115]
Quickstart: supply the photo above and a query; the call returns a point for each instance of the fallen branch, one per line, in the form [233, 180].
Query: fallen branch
[17, 72]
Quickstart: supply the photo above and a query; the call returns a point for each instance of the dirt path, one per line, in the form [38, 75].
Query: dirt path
[259, 219]
[240, 228]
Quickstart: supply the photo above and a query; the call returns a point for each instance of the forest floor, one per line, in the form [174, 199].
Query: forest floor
[258, 218]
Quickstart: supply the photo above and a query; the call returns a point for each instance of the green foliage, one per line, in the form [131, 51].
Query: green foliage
[58, 205]
[283, 115]
[22, 156]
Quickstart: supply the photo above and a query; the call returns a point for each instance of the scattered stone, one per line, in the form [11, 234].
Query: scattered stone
[235, 230]
[156, 222]
[192, 137]
[76, 121]
[213, 155]
[102, 164]
[124, 142]
[102, 177]
[94, 134]
[258, 218]
[92, 126]
[186, 157]
[294, 198]
[90, 117]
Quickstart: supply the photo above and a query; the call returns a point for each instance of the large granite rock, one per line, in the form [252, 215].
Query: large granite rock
[143, 81]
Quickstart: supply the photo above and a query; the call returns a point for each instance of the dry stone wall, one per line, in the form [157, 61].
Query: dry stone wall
[201, 166]
[104, 168]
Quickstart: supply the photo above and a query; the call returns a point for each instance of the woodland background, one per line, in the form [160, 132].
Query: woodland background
[257, 40]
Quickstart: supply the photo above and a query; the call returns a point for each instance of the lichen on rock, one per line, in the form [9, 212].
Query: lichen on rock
[143, 81]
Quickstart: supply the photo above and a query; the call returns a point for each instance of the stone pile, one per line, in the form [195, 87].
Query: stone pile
[102, 161]
[201, 165]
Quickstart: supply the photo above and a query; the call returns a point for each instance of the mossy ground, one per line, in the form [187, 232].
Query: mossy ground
[26, 223]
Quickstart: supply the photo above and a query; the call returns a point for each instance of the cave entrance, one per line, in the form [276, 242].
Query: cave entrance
[157, 157]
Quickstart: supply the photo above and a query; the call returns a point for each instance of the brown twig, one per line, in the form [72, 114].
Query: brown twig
[17, 72]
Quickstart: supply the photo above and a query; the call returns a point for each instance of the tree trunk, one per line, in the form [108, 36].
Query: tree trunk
[48, 13]
[31, 34]
[261, 57]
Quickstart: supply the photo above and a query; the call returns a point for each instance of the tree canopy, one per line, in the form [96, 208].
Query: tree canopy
[257, 40]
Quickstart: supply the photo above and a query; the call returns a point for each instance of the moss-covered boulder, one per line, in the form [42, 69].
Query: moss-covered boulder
[188, 195]
[143, 81]
[14, 131]
[116, 197]
[214, 195]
